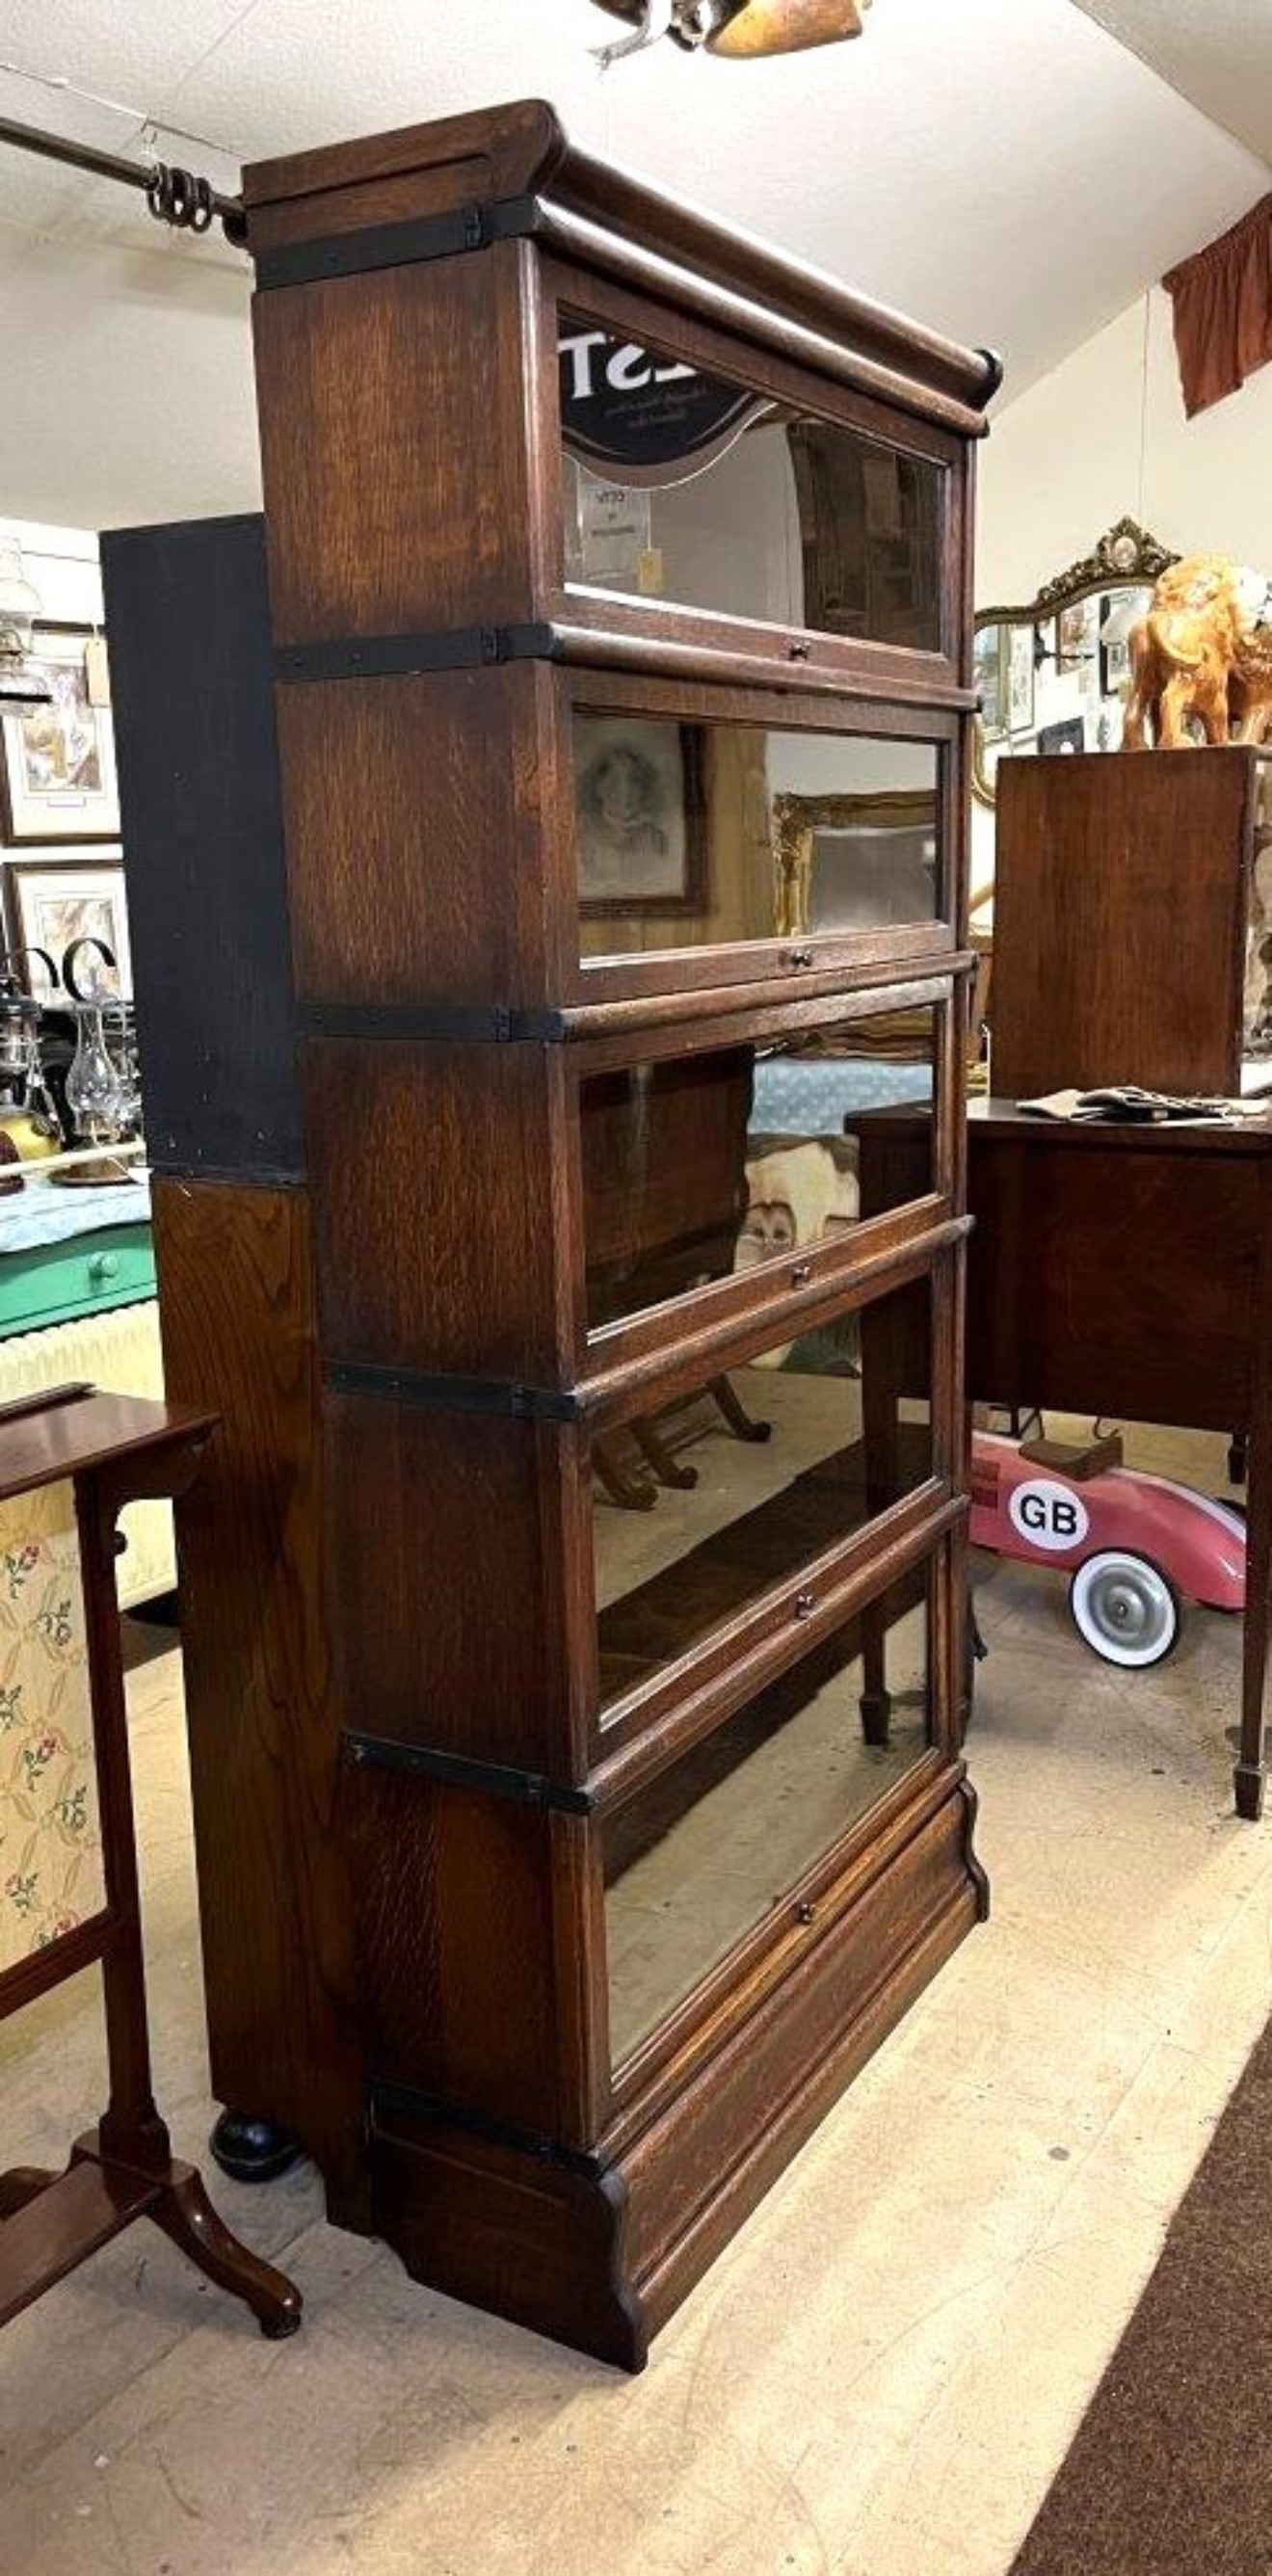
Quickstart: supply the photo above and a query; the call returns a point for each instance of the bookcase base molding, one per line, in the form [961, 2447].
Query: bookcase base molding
[599, 2250]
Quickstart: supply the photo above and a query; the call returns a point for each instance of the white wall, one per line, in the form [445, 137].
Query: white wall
[1105, 435]
[1102, 437]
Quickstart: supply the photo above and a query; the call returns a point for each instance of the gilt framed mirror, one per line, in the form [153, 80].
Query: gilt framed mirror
[1052, 672]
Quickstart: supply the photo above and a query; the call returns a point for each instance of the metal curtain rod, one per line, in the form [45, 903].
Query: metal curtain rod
[177, 197]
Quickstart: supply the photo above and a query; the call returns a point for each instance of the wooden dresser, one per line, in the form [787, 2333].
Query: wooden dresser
[636, 1682]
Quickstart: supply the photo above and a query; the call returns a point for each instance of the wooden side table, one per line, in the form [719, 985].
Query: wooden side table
[1124, 1271]
[112, 1450]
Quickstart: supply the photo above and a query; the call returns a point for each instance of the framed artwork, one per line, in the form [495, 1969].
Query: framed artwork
[1077, 634]
[1020, 678]
[853, 862]
[640, 814]
[988, 677]
[57, 765]
[1120, 611]
[62, 896]
[1068, 735]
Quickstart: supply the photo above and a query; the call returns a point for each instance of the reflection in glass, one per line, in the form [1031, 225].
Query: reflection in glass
[699, 1167]
[717, 1842]
[690, 489]
[691, 836]
[703, 1503]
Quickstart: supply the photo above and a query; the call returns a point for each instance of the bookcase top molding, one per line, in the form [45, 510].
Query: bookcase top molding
[464, 182]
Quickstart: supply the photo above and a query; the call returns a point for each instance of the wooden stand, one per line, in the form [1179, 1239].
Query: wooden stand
[114, 1450]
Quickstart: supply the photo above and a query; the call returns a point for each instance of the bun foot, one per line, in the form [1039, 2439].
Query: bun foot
[254, 2150]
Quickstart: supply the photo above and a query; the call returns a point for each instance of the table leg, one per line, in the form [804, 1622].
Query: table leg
[1248, 1778]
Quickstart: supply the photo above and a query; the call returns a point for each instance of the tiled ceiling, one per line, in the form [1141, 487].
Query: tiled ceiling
[1001, 168]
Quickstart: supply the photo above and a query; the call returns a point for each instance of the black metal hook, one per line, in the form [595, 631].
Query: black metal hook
[93, 1000]
[9, 968]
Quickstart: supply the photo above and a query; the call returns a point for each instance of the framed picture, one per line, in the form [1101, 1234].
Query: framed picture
[640, 814]
[1120, 611]
[1077, 634]
[1068, 735]
[988, 676]
[1020, 678]
[62, 896]
[57, 765]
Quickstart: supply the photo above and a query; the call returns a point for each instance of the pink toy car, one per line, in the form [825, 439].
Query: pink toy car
[1130, 1543]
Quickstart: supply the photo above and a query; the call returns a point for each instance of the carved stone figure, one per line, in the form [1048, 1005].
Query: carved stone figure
[1201, 660]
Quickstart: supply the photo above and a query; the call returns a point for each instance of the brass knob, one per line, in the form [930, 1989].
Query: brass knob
[801, 1274]
[805, 1604]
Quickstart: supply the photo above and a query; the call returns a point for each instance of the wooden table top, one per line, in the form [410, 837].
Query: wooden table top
[56, 1440]
[1004, 1118]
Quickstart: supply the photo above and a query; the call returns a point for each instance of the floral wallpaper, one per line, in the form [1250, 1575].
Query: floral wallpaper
[50, 1843]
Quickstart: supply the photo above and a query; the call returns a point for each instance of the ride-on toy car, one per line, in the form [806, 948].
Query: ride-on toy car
[1132, 1544]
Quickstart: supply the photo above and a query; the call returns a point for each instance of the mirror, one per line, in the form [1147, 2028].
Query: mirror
[1054, 672]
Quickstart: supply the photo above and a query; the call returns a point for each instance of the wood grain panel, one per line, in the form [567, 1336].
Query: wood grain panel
[456, 1921]
[1171, 1236]
[436, 1247]
[454, 1625]
[377, 446]
[1119, 921]
[236, 1306]
[414, 815]
[530, 2237]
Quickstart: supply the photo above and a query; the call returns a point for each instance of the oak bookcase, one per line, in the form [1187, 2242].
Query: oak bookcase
[605, 1800]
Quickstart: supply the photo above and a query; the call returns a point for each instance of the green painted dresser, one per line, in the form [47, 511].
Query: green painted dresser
[56, 1283]
[83, 1305]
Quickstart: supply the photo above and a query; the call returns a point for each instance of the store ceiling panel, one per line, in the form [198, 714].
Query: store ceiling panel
[1002, 169]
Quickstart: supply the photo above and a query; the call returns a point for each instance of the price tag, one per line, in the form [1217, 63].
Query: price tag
[97, 671]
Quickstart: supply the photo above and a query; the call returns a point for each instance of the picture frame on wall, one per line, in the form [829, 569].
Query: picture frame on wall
[1020, 679]
[57, 765]
[989, 679]
[59, 896]
[1069, 734]
[1078, 634]
[1120, 611]
[640, 814]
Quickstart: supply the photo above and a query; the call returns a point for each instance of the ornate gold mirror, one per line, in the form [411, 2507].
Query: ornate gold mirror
[1053, 673]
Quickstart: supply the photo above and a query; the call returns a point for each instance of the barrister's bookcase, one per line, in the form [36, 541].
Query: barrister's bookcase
[619, 589]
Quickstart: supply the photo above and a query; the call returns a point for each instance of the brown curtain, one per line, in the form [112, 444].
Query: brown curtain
[1222, 298]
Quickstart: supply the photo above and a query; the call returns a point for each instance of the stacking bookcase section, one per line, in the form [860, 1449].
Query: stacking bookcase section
[619, 577]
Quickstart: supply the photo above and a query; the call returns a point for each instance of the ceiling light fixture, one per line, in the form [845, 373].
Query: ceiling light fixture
[22, 690]
[740, 29]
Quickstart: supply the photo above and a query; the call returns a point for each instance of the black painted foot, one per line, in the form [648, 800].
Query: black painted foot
[251, 2150]
[876, 1711]
[1247, 1781]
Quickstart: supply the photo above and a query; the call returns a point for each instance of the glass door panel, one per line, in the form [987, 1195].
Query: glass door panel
[699, 492]
[709, 835]
[713, 1846]
[703, 1504]
[747, 1158]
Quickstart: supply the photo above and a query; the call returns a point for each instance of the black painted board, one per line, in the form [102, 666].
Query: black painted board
[188, 629]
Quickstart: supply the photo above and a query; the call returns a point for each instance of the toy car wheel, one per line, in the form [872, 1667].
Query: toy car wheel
[1125, 1608]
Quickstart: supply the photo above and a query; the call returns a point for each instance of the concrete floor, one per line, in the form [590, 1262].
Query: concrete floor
[885, 2368]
